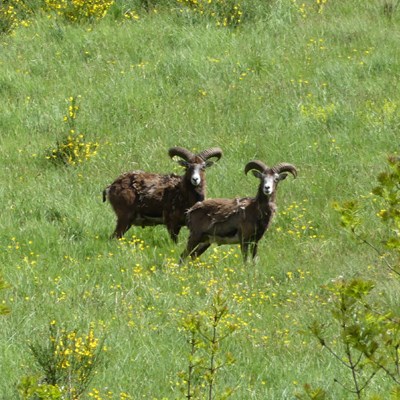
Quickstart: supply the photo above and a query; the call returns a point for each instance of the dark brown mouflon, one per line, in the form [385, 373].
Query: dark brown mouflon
[147, 199]
[236, 221]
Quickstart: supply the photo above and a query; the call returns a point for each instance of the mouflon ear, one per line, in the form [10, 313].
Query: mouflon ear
[257, 174]
[283, 176]
[183, 163]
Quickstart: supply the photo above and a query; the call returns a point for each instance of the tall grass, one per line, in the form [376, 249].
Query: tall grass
[314, 89]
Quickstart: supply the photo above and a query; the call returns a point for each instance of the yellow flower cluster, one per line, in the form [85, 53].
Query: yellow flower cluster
[72, 350]
[80, 10]
[133, 244]
[357, 56]
[108, 395]
[73, 149]
[307, 8]
[131, 15]
[316, 112]
[383, 113]
[68, 359]
[299, 226]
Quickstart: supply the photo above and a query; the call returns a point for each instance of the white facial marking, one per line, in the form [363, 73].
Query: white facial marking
[195, 178]
[269, 183]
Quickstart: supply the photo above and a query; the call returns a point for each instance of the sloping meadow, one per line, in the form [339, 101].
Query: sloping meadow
[311, 83]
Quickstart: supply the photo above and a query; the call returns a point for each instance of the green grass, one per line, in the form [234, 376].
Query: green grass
[319, 92]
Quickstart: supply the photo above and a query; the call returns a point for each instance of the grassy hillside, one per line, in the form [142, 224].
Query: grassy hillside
[316, 86]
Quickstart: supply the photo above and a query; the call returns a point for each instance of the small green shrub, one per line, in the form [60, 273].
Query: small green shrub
[385, 200]
[73, 149]
[364, 335]
[67, 363]
[30, 388]
[310, 393]
[388, 191]
[206, 331]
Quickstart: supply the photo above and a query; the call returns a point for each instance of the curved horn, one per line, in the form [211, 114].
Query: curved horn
[181, 152]
[212, 152]
[255, 164]
[285, 167]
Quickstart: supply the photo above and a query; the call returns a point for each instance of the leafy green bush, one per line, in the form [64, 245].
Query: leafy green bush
[364, 335]
[31, 388]
[206, 330]
[385, 200]
[67, 362]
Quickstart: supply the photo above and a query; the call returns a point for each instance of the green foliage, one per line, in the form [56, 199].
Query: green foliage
[310, 7]
[389, 192]
[390, 7]
[152, 5]
[395, 393]
[357, 335]
[125, 10]
[222, 12]
[3, 308]
[206, 332]
[316, 91]
[366, 333]
[366, 339]
[349, 214]
[310, 393]
[354, 214]
[13, 13]
[30, 388]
